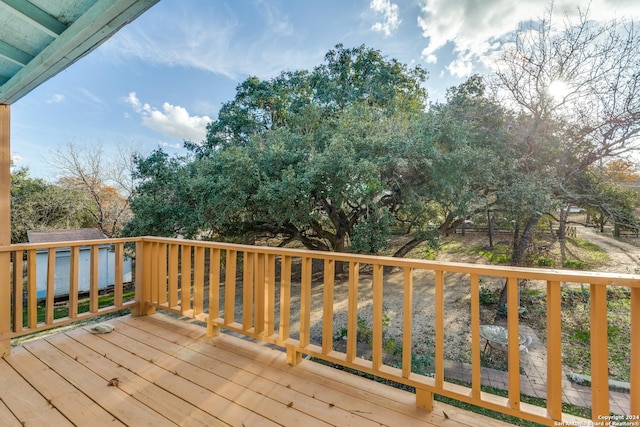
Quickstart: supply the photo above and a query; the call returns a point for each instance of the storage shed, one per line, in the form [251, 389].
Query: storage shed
[106, 261]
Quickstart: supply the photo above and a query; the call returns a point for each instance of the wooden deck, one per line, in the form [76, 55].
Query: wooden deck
[161, 371]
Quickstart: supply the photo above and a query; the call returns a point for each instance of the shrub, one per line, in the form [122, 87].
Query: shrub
[575, 264]
[544, 261]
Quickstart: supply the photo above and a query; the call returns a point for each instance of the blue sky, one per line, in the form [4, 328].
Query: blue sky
[163, 77]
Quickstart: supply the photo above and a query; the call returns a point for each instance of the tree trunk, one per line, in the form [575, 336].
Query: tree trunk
[520, 247]
[408, 247]
[519, 250]
[490, 219]
[562, 231]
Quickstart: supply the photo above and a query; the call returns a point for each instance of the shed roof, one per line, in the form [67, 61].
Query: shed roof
[49, 236]
[40, 38]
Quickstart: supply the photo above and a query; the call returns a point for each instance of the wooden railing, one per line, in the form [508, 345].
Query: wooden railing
[40, 295]
[289, 298]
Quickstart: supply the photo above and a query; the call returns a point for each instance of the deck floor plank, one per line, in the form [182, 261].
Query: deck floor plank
[134, 413]
[102, 361]
[6, 416]
[165, 362]
[25, 402]
[147, 363]
[75, 405]
[245, 373]
[331, 386]
[170, 373]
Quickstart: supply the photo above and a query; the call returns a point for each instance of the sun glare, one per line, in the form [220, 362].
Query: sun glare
[558, 90]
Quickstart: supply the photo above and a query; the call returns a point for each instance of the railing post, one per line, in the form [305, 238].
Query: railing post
[634, 395]
[5, 303]
[424, 399]
[5, 229]
[142, 283]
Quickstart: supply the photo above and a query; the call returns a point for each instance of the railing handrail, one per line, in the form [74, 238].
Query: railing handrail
[561, 275]
[66, 244]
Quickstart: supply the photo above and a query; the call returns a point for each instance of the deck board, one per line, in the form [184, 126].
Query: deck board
[170, 373]
[54, 388]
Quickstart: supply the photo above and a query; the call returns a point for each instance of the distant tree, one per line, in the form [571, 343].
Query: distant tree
[607, 200]
[579, 90]
[165, 202]
[38, 205]
[106, 185]
[622, 171]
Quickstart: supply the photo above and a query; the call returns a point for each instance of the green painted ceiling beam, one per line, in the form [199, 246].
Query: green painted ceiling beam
[103, 19]
[27, 10]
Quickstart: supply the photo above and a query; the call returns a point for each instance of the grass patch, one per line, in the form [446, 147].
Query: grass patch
[583, 244]
[500, 254]
[62, 311]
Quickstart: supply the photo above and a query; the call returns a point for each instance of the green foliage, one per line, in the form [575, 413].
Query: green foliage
[488, 297]
[339, 156]
[500, 254]
[583, 244]
[372, 233]
[543, 261]
[575, 264]
[38, 205]
[309, 156]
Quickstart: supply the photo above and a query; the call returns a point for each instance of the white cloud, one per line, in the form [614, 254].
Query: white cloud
[16, 158]
[172, 120]
[477, 29]
[166, 144]
[56, 98]
[461, 67]
[390, 18]
[214, 39]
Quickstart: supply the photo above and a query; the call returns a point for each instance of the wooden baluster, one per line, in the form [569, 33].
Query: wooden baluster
[74, 259]
[475, 336]
[118, 274]
[173, 275]
[634, 395]
[185, 281]
[352, 311]
[248, 285]
[51, 281]
[305, 302]
[18, 291]
[259, 290]
[198, 280]
[285, 297]
[32, 291]
[513, 347]
[153, 280]
[160, 258]
[407, 322]
[270, 295]
[230, 287]
[378, 294]
[327, 310]
[599, 352]
[439, 302]
[93, 281]
[214, 292]
[554, 351]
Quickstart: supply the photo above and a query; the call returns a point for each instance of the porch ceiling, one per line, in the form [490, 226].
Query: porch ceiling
[40, 38]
